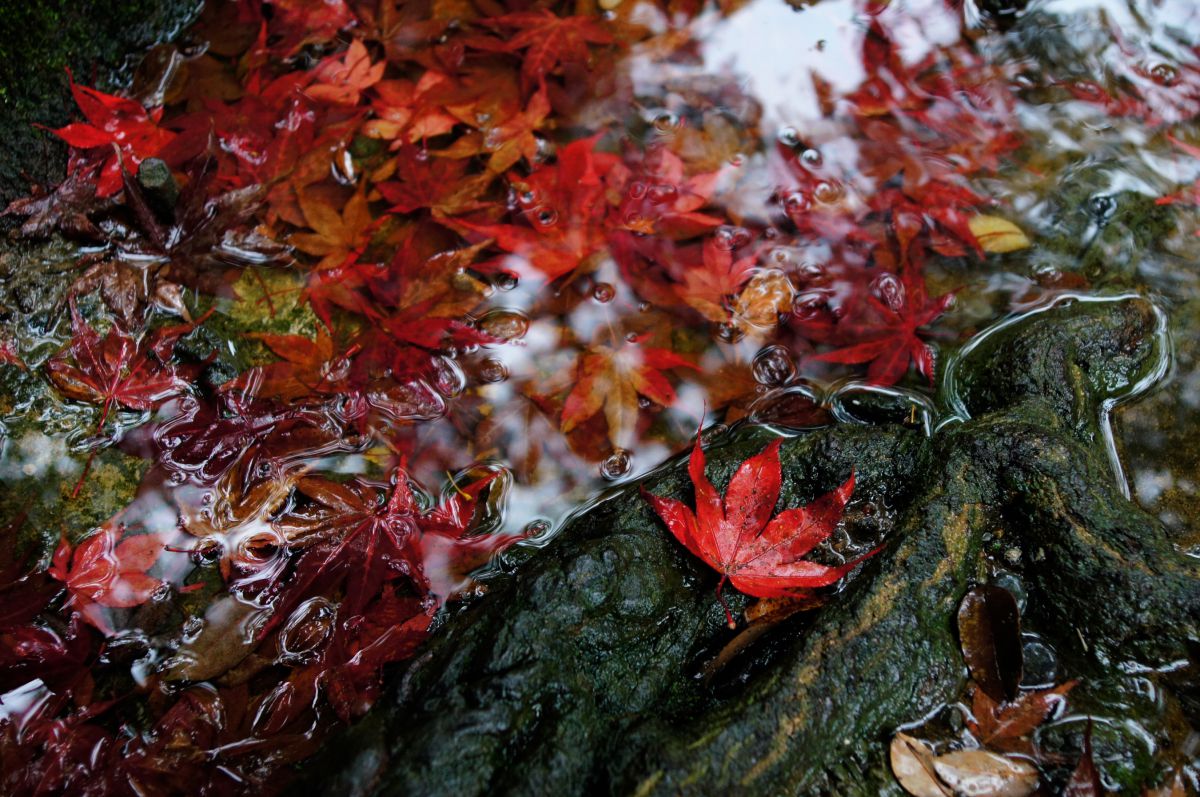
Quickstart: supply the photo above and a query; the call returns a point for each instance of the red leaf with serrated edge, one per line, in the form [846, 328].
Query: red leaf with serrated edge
[611, 379]
[736, 535]
[107, 569]
[116, 370]
[120, 124]
[564, 206]
[548, 40]
[888, 337]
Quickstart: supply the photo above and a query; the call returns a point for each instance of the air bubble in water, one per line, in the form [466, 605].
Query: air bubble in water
[773, 366]
[493, 370]
[616, 465]
[306, 632]
[506, 325]
[889, 289]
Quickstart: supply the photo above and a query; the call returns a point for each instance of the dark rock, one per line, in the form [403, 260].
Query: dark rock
[578, 674]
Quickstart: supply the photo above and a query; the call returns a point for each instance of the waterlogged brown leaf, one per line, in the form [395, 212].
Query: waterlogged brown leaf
[981, 773]
[998, 725]
[989, 629]
[997, 235]
[912, 764]
[1085, 780]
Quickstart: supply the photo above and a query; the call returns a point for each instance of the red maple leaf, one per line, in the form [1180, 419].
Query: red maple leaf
[883, 331]
[341, 79]
[548, 40]
[107, 570]
[120, 125]
[565, 207]
[736, 535]
[116, 369]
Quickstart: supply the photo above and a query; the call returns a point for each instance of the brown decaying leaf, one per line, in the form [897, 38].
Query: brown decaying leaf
[1085, 780]
[1000, 725]
[989, 629]
[982, 773]
[912, 764]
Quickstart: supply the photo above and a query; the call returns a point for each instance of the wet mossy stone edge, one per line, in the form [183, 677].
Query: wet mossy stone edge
[579, 674]
[100, 41]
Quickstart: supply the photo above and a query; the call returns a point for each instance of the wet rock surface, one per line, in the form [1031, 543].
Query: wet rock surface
[581, 675]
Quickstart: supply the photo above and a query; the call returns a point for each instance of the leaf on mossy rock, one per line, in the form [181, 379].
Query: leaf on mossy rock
[989, 630]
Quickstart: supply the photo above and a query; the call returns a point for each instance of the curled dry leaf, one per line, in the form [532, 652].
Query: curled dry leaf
[989, 629]
[997, 235]
[981, 773]
[912, 764]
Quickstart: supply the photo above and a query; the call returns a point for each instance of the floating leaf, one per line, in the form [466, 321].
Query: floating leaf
[982, 773]
[989, 629]
[997, 235]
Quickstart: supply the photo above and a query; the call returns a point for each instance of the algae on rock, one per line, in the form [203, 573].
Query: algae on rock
[578, 676]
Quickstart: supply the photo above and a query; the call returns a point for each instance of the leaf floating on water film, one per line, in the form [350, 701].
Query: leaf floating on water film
[981, 772]
[997, 235]
[989, 629]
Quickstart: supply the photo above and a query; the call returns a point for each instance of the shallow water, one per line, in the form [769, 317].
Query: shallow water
[769, 186]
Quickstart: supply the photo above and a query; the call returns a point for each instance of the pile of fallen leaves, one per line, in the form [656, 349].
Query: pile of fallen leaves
[422, 168]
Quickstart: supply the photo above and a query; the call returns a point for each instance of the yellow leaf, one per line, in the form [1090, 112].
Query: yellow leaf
[997, 235]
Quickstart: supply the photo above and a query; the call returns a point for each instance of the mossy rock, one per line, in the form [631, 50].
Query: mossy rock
[580, 673]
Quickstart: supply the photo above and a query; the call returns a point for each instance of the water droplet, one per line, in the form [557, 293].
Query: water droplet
[828, 193]
[506, 280]
[448, 378]
[1164, 74]
[644, 307]
[536, 528]
[730, 238]
[506, 325]
[811, 158]
[493, 370]
[888, 289]
[796, 203]
[207, 551]
[546, 217]
[788, 137]
[604, 292]
[527, 198]
[637, 189]
[729, 333]
[192, 627]
[616, 465]
[306, 632]
[663, 194]
[807, 306]
[207, 498]
[773, 366]
[665, 123]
